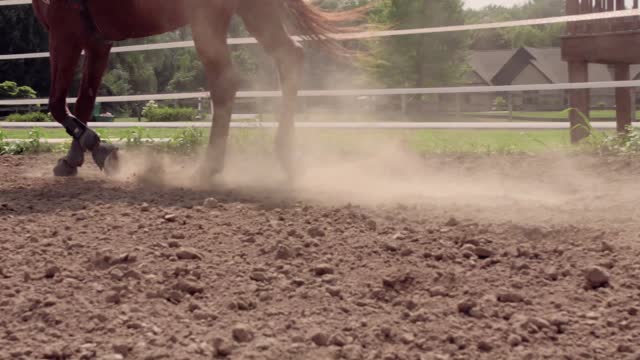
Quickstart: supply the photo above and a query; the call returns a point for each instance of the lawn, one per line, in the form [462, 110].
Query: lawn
[546, 115]
[423, 141]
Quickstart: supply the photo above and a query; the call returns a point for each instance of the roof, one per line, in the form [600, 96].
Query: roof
[487, 64]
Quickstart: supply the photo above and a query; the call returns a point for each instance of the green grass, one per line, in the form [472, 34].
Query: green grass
[421, 141]
[111, 133]
[548, 115]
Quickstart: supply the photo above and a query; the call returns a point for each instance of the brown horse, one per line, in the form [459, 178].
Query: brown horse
[92, 26]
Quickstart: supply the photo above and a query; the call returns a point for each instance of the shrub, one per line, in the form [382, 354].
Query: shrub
[10, 89]
[167, 114]
[500, 103]
[30, 117]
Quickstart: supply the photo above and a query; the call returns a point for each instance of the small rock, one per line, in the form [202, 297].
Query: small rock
[171, 218]
[466, 306]
[371, 225]
[316, 232]
[514, 340]
[284, 253]
[597, 277]
[624, 348]
[122, 349]
[351, 352]
[189, 287]
[551, 274]
[210, 203]
[334, 291]
[110, 357]
[222, 347]
[452, 222]
[484, 346]
[145, 207]
[338, 340]
[178, 236]
[188, 254]
[323, 269]
[113, 298]
[51, 272]
[483, 253]
[607, 246]
[259, 276]
[510, 297]
[438, 291]
[320, 338]
[241, 333]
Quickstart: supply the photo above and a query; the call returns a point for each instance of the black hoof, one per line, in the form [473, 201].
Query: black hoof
[106, 157]
[63, 169]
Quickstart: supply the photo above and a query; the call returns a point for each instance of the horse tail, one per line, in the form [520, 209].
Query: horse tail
[318, 25]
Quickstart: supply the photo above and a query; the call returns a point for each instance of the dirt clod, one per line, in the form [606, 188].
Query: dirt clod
[210, 203]
[597, 277]
[320, 338]
[188, 254]
[242, 333]
[323, 269]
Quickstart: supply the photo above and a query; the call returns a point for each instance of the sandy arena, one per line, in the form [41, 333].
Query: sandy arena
[376, 256]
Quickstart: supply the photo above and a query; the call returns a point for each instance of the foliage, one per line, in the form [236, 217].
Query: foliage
[33, 144]
[418, 61]
[614, 144]
[500, 103]
[136, 137]
[10, 89]
[168, 114]
[30, 117]
[513, 37]
[186, 141]
[150, 105]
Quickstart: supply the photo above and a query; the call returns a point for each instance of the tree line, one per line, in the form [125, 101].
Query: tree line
[418, 60]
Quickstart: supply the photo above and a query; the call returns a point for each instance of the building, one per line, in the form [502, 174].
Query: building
[528, 65]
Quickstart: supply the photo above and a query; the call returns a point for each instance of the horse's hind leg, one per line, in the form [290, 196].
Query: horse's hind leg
[264, 20]
[95, 64]
[209, 25]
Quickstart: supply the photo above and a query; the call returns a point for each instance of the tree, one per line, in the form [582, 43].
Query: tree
[22, 33]
[508, 38]
[418, 60]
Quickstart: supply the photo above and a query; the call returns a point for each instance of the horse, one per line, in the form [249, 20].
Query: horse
[93, 26]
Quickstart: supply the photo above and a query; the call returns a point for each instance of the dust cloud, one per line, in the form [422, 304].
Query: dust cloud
[553, 187]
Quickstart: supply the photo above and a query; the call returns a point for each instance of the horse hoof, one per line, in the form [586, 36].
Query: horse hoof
[63, 169]
[106, 158]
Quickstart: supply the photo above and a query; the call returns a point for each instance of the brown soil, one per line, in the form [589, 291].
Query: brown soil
[504, 257]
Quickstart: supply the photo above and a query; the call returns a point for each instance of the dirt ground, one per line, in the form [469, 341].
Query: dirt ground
[445, 257]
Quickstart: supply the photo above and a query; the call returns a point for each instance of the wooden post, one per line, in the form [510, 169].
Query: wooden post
[572, 7]
[578, 100]
[510, 105]
[624, 106]
[403, 104]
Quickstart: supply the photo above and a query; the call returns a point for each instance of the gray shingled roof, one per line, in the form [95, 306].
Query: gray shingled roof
[548, 60]
[487, 63]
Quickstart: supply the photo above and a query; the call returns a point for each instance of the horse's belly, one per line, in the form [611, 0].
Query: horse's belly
[126, 19]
